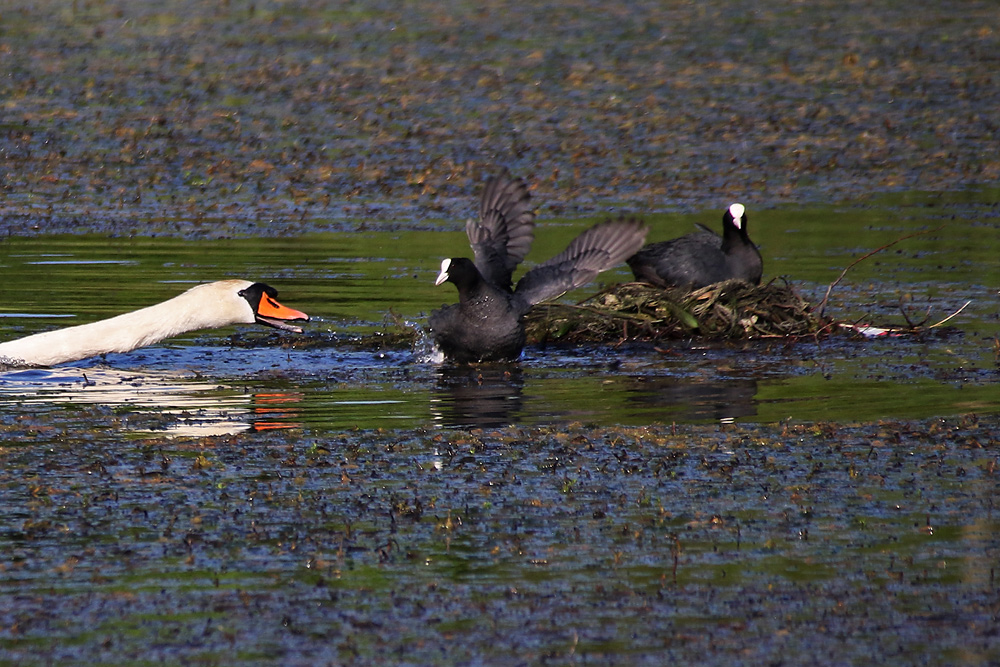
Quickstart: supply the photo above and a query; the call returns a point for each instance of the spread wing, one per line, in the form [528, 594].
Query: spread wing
[600, 248]
[503, 234]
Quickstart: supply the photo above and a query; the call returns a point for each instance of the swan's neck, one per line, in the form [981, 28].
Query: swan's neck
[192, 310]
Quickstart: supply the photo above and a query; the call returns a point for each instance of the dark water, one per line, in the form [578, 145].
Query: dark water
[359, 283]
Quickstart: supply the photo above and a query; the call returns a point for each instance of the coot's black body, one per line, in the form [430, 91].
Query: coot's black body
[487, 322]
[702, 258]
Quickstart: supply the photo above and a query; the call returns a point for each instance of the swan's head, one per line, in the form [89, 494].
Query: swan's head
[227, 302]
[266, 310]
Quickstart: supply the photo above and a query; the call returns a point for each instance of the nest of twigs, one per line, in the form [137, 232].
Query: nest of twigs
[637, 311]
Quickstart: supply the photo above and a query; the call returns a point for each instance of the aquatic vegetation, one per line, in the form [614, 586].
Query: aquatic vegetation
[200, 120]
[636, 311]
[572, 542]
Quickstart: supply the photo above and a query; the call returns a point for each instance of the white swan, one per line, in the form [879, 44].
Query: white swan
[206, 306]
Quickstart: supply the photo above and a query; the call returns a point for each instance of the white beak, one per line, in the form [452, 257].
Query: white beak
[737, 211]
[443, 276]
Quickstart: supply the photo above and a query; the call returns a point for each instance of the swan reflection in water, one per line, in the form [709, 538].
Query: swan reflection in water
[180, 404]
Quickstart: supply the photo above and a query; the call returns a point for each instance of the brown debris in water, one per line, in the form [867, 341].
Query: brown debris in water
[729, 310]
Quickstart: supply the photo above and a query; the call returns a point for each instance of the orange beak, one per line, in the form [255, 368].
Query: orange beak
[272, 313]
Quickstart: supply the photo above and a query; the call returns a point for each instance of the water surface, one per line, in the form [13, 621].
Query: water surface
[363, 282]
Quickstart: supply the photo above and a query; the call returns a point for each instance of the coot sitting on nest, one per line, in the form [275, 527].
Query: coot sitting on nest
[487, 322]
[702, 258]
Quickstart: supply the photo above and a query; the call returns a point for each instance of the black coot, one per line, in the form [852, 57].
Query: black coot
[702, 258]
[487, 322]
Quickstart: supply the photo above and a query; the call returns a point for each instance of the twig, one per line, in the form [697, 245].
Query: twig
[950, 316]
[829, 289]
[909, 322]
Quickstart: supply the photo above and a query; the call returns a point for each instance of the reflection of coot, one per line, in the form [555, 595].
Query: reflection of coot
[483, 397]
[697, 399]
